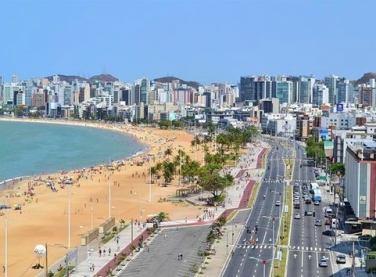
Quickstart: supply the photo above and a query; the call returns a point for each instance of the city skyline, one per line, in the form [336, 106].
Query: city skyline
[203, 41]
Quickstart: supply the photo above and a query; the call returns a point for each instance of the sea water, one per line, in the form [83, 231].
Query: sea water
[28, 149]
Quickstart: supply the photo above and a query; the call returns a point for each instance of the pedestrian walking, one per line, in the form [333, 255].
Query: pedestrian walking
[109, 251]
[100, 252]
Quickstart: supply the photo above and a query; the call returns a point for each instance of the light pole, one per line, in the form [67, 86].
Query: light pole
[69, 216]
[6, 239]
[264, 262]
[109, 198]
[150, 179]
[273, 239]
[46, 258]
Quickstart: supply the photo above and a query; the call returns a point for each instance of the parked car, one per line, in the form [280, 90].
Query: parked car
[316, 203]
[341, 259]
[328, 221]
[297, 216]
[308, 201]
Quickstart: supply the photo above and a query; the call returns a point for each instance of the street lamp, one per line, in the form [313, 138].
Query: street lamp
[46, 259]
[109, 198]
[69, 215]
[273, 219]
[150, 179]
[6, 239]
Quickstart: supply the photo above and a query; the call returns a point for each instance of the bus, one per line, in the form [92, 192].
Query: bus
[317, 195]
[314, 186]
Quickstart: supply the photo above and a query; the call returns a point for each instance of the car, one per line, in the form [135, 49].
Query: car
[308, 213]
[328, 221]
[341, 259]
[329, 233]
[297, 216]
[316, 203]
[278, 203]
[318, 223]
[323, 263]
[308, 201]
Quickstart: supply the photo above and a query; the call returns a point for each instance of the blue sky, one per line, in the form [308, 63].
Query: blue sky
[202, 40]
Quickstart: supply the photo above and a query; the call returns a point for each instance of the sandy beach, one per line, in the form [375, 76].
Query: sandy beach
[44, 215]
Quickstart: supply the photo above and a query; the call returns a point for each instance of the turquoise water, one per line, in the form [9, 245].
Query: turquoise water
[28, 149]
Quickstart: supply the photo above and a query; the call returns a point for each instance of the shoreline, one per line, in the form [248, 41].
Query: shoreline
[95, 195]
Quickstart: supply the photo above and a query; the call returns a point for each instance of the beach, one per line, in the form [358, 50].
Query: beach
[121, 190]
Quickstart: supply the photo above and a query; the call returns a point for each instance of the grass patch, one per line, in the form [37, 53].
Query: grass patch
[284, 232]
[254, 193]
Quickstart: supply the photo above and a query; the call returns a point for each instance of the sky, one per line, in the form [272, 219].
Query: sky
[207, 41]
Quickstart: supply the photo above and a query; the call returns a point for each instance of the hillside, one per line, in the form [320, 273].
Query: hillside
[365, 78]
[169, 79]
[71, 78]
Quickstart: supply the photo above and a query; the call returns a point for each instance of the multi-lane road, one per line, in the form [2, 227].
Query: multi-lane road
[307, 243]
[254, 251]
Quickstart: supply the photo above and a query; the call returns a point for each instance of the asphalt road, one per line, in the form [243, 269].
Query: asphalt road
[307, 244]
[253, 246]
[162, 258]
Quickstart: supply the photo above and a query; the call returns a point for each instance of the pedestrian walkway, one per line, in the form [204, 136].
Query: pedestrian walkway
[100, 259]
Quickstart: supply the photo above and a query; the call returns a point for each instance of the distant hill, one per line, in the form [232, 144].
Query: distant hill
[365, 78]
[71, 78]
[169, 79]
[103, 78]
[67, 78]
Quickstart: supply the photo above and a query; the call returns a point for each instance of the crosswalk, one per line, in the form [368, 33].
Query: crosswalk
[259, 246]
[306, 248]
[291, 248]
[280, 181]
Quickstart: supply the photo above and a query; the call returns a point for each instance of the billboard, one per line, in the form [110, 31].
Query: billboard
[324, 134]
[339, 107]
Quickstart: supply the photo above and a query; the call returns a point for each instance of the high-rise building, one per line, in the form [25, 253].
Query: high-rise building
[247, 91]
[331, 84]
[320, 94]
[283, 91]
[305, 89]
[343, 91]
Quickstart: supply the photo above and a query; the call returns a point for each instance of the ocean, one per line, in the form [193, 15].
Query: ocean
[28, 149]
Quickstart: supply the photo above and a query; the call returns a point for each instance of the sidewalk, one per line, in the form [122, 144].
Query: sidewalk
[237, 197]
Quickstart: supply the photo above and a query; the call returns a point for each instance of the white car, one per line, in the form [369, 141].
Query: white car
[297, 216]
[323, 262]
[278, 203]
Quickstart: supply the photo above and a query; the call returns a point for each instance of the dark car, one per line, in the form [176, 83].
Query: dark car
[308, 201]
[329, 233]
